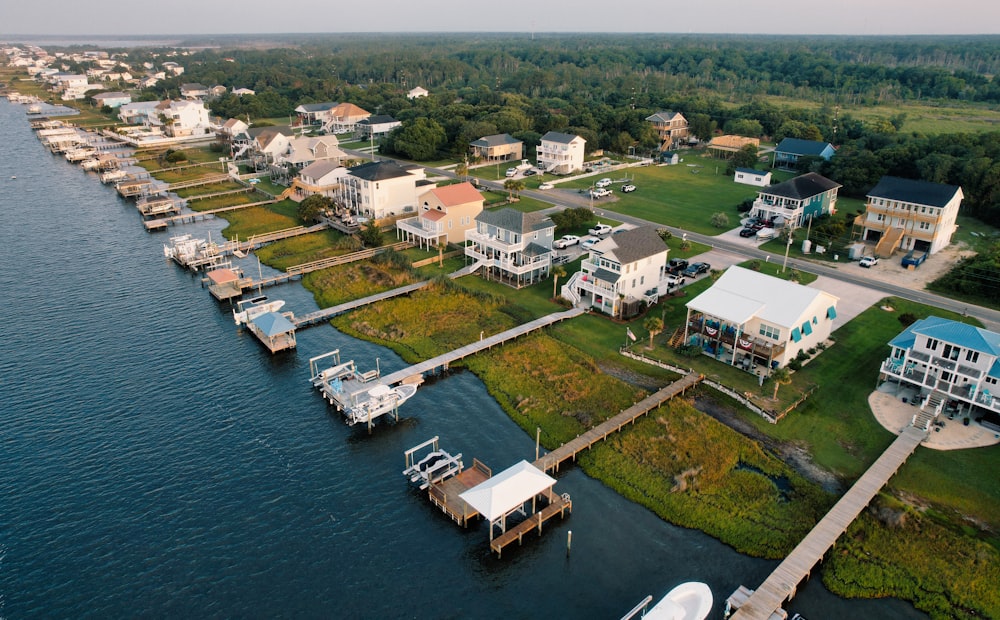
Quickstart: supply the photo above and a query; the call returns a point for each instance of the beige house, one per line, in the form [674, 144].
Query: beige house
[496, 148]
[911, 215]
[445, 214]
[672, 128]
[725, 146]
[344, 118]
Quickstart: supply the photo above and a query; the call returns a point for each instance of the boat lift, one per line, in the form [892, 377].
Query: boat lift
[437, 465]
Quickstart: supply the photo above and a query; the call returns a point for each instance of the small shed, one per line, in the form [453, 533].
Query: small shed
[749, 176]
[507, 493]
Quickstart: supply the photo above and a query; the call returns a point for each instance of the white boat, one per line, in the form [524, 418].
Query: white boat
[688, 601]
[381, 400]
[248, 310]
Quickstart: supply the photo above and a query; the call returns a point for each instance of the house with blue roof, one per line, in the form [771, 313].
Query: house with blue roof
[952, 367]
[790, 150]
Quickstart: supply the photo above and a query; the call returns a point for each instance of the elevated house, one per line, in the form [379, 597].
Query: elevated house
[376, 126]
[269, 144]
[621, 273]
[790, 150]
[496, 148]
[950, 367]
[726, 146]
[322, 177]
[344, 118]
[444, 214]
[749, 319]
[796, 201]
[510, 246]
[671, 127]
[381, 189]
[560, 153]
[194, 91]
[139, 113]
[184, 118]
[749, 176]
[303, 151]
[911, 215]
[315, 113]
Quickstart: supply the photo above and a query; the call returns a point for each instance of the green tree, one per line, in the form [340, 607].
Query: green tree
[558, 271]
[420, 140]
[780, 376]
[512, 186]
[746, 157]
[311, 207]
[720, 220]
[653, 325]
[371, 234]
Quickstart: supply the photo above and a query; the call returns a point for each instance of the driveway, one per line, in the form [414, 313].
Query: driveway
[853, 299]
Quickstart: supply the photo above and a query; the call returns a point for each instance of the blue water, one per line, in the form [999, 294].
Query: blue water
[155, 461]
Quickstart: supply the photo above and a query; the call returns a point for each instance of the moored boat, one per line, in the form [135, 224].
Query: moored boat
[689, 601]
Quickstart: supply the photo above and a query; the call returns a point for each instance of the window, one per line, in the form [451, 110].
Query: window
[972, 356]
[932, 344]
[951, 352]
[768, 331]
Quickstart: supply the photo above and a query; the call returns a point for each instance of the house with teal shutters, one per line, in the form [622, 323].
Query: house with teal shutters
[796, 201]
[790, 150]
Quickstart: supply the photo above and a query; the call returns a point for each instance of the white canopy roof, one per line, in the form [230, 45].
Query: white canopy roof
[507, 490]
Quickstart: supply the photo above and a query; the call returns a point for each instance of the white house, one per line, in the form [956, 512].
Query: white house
[560, 153]
[185, 118]
[951, 366]
[239, 92]
[622, 271]
[381, 189]
[749, 176]
[417, 93]
[303, 151]
[315, 113]
[112, 100]
[912, 215]
[512, 247]
[321, 177]
[750, 319]
[139, 113]
[376, 126]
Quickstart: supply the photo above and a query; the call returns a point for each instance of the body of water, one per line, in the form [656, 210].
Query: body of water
[155, 461]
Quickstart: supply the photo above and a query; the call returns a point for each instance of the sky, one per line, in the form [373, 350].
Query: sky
[180, 17]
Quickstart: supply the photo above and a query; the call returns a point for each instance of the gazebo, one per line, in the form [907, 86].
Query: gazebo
[507, 493]
[274, 330]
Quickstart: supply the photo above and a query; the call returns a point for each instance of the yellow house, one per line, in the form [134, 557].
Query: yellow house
[445, 213]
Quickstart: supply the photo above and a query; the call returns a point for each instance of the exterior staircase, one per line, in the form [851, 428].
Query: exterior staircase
[568, 289]
[929, 410]
[677, 338]
[889, 242]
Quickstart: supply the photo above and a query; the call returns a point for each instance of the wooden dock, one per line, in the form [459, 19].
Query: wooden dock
[570, 449]
[216, 178]
[780, 586]
[486, 343]
[445, 494]
[194, 216]
[557, 505]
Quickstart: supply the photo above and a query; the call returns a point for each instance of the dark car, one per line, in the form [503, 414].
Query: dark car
[696, 269]
[748, 232]
[676, 265]
[529, 173]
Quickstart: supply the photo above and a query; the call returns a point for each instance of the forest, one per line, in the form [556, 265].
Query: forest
[602, 87]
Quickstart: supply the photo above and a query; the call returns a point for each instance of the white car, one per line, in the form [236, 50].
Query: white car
[511, 172]
[600, 192]
[546, 186]
[565, 241]
[588, 243]
[600, 230]
[628, 188]
[868, 261]
[605, 182]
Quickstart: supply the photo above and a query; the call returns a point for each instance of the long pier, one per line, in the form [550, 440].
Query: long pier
[297, 271]
[217, 178]
[570, 449]
[486, 343]
[780, 586]
[194, 216]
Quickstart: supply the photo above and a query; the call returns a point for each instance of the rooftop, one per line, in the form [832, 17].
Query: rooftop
[915, 192]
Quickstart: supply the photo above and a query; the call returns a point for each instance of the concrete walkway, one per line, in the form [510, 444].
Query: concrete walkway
[894, 415]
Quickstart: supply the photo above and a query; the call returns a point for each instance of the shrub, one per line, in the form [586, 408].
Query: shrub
[664, 233]
[795, 364]
[907, 319]
[174, 156]
[720, 220]
[755, 264]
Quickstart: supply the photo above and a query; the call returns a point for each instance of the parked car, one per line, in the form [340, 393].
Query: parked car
[600, 192]
[511, 172]
[565, 241]
[748, 232]
[546, 186]
[765, 233]
[600, 230]
[673, 280]
[529, 173]
[588, 243]
[676, 265]
[696, 269]
[628, 188]
[605, 182]
[868, 261]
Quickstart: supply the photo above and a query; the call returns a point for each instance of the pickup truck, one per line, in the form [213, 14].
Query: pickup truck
[676, 265]
[600, 230]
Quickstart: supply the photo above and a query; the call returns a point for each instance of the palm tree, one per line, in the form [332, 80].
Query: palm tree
[513, 185]
[557, 272]
[780, 376]
[442, 244]
[654, 325]
[462, 170]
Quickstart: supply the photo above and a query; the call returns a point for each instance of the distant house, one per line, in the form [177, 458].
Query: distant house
[512, 247]
[672, 128]
[796, 201]
[953, 366]
[726, 146]
[303, 151]
[381, 189]
[790, 150]
[376, 126]
[217, 91]
[139, 113]
[496, 148]
[315, 113]
[560, 153]
[194, 91]
[112, 100]
[173, 68]
[749, 176]
[239, 92]
[750, 319]
[417, 93]
[234, 127]
[912, 215]
[321, 177]
[622, 273]
[445, 213]
[344, 118]
[184, 118]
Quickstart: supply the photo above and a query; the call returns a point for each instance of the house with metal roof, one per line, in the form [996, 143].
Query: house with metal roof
[315, 113]
[796, 201]
[560, 153]
[376, 126]
[380, 189]
[910, 215]
[671, 127]
[444, 214]
[496, 148]
[750, 319]
[951, 366]
[510, 246]
[790, 150]
[621, 273]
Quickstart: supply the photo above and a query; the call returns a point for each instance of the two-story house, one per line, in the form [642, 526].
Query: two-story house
[496, 148]
[951, 366]
[444, 214]
[184, 118]
[749, 319]
[796, 201]
[322, 177]
[344, 118]
[315, 113]
[560, 153]
[112, 100]
[139, 113]
[510, 246]
[790, 150]
[376, 126]
[912, 215]
[380, 189]
[194, 91]
[672, 128]
[621, 272]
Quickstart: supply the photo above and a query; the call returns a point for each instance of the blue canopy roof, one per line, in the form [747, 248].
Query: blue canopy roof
[273, 324]
[952, 332]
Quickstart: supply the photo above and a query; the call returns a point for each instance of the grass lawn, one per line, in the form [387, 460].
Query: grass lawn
[774, 269]
[257, 221]
[211, 188]
[302, 249]
[228, 200]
